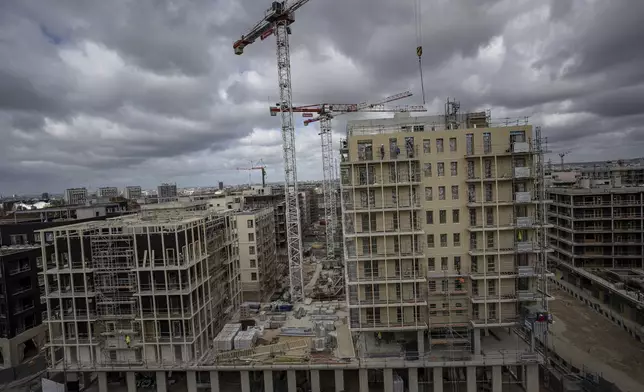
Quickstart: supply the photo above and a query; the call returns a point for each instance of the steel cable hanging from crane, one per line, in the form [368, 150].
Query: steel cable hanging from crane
[419, 43]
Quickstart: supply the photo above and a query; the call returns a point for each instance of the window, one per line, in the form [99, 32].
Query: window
[429, 215]
[457, 239]
[487, 142]
[490, 239]
[253, 263]
[427, 170]
[454, 192]
[444, 263]
[251, 250]
[431, 264]
[441, 193]
[439, 145]
[36, 237]
[251, 223]
[469, 144]
[453, 166]
[456, 215]
[251, 237]
[427, 146]
[457, 264]
[428, 193]
[253, 276]
[430, 240]
[488, 192]
[441, 169]
[443, 240]
[452, 144]
[443, 217]
[432, 288]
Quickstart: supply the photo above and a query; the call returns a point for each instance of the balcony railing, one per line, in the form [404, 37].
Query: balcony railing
[18, 270]
[399, 154]
[400, 204]
[383, 180]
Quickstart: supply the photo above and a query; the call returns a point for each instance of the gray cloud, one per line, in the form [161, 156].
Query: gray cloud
[138, 92]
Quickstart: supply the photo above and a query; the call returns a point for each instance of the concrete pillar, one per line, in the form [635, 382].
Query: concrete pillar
[389, 380]
[245, 381]
[315, 381]
[268, 381]
[191, 381]
[363, 378]
[291, 380]
[102, 382]
[339, 380]
[413, 379]
[130, 381]
[497, 379]
[421, 344]
[532, 378]
[161, 382]
[477, 342]
[214, 381]
[471, 379]
[438, 379]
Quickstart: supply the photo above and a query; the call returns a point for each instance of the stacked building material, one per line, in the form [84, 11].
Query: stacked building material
[224, 341]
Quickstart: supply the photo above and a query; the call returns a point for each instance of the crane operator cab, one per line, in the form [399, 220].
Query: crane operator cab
[276, 10]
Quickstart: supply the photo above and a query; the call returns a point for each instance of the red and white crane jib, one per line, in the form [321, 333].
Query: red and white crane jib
[279, 11]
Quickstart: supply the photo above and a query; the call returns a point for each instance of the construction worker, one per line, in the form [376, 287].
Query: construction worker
[382, 151]
[127, 340]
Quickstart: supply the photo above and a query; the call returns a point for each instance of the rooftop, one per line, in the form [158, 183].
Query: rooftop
[595, 190]
[12, 249]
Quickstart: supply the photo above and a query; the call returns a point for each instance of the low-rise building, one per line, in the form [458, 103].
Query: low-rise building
[107, 192]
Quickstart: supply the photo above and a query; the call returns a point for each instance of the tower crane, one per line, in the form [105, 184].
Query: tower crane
[258, 166]
[277, 21]
[325, 113]
[562, 155]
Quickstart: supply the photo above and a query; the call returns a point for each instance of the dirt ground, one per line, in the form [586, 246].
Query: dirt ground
[586, 339]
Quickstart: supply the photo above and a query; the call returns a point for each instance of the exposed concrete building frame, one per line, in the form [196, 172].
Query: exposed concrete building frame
[135, 292]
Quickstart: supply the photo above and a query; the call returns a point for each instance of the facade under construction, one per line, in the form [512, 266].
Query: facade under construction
[140, 290]
[444, 228]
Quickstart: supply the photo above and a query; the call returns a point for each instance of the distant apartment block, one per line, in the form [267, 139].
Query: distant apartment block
[108, 192]
[166, 192]
[221, 185]
[443, 228]
[133, 192]
[136, 291]
[627, 174]
[257, 253]
[75, 196]
[598, 242]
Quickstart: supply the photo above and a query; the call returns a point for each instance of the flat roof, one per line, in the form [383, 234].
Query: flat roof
[12, 249]
[595, 190]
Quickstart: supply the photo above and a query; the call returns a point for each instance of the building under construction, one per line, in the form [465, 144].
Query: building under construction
[138, 290]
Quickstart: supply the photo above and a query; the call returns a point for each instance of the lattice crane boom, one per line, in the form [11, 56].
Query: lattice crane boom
[277, 21]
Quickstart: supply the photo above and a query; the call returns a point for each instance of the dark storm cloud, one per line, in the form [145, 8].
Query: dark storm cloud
[143, 91]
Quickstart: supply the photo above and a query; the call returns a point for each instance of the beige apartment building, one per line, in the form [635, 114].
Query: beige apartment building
[257, 253]
[444, 228]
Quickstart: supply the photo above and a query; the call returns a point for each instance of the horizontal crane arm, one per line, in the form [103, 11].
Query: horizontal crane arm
[279, 11]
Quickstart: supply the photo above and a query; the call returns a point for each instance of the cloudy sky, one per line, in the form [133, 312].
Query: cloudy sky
[143, 91]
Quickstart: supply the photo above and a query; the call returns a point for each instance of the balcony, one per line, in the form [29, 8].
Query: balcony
[522, 173]
[388, 155]
[513, 148]
[378, 180]
[386, 254]
[471, 177]
[402, 228]
[19, 270]
[412, 204]
[371, 324]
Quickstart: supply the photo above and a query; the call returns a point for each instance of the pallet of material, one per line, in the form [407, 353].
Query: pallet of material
[224, 341]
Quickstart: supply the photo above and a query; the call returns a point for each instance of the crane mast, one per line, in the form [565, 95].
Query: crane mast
[277, 21]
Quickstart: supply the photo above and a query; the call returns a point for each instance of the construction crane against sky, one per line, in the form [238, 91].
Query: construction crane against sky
[562, 155]
[277, 21]
[258, 166]
[326, 112]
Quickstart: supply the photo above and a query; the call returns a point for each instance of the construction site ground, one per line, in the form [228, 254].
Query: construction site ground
[586, 339]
